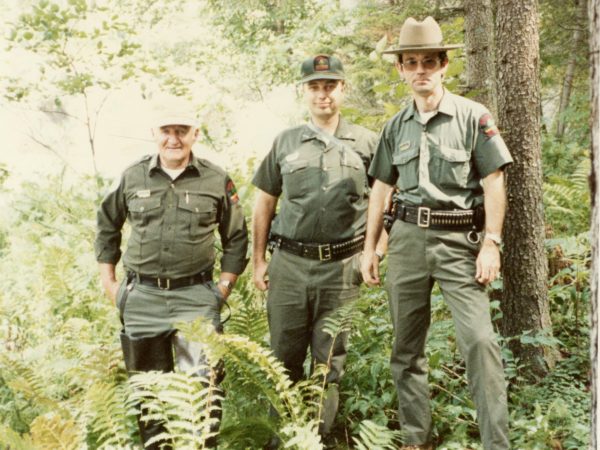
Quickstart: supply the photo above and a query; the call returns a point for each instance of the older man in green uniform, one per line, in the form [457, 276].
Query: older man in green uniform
[173, 201]
[319, 171]
[446, 158]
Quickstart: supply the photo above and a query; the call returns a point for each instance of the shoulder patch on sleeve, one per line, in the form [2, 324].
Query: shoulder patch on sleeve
[487, 126]
[232, 192]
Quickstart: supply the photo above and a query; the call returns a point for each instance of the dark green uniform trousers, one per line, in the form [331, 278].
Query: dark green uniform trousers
[303, 293]
[418, 257]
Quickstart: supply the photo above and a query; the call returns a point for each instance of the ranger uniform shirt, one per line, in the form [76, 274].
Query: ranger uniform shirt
[173, 221]
[440, 163]
[322, 181]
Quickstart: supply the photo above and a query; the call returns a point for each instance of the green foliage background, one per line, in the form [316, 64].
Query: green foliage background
[62, 381]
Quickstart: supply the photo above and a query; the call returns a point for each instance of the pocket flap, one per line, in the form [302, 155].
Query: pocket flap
[143, 204]
[453, 154]
[399, 159]
[293, 166]
[196, 203]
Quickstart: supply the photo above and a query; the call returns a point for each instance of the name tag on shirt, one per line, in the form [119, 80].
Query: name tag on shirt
[143, 194]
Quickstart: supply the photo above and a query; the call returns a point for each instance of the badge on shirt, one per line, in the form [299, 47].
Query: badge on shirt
[143, 193]
[292, 157]
[488, 126]
[232, 192]
[404, 146]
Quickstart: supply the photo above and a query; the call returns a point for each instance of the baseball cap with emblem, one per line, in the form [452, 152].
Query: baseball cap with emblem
[421, 36]
[171, 110]
[322, 67]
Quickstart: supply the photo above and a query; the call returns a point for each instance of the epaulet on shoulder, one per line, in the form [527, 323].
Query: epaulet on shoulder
[291, 130]
[139, 161]
[210, 165]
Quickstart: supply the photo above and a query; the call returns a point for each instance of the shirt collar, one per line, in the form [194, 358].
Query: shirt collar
[447, 106]
[193, 164]
[343, 131]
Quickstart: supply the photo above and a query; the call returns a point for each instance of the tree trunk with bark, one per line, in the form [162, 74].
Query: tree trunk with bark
[525, 297]
[479, 48]
[577, 42]
[594, 15]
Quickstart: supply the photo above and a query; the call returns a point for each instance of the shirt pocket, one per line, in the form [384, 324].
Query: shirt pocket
[144, 211]
[353, 174]
[198, 210]
[450, 167]
[407, 163]
[296, 181]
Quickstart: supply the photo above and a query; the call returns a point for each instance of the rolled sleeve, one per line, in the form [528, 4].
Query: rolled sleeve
[268, 176]
[382, 167]
[491, 152]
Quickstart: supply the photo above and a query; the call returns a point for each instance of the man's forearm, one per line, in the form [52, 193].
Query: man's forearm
[377, 197]
[264, 210]
[494, 202]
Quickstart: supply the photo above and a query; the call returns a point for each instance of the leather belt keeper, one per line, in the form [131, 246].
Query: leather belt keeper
[173, 283]
[456, 219]
[322, 252]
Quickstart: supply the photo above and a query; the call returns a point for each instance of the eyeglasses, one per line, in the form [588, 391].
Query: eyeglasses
[413, 64]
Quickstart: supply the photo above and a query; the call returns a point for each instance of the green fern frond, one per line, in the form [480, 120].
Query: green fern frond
[27, 381]
[107, 414]
[580, 177]
[248, 316]
[341, 320]
[52, 432]
[185, 403]
[250, 363]
[372, 436]
[302, 437]
[10, 439]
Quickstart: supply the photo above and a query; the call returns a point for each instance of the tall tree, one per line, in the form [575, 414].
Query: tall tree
[577, 42]
[525, 297]
[479, 47]
[594, 15]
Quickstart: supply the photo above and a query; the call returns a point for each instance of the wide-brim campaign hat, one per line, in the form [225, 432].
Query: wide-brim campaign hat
[322, 67]
[170, 110]
[421, 36]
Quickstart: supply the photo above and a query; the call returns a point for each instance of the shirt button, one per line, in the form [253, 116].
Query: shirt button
[324, 188]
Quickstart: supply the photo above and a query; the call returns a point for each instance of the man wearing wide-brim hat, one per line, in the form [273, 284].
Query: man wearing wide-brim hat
[445, 157]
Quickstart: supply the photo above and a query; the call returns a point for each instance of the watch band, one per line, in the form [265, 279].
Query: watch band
[495, 238]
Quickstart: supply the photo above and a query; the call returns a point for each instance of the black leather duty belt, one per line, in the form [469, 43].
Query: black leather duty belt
[172, 283]
[457, 219]
[322, 252]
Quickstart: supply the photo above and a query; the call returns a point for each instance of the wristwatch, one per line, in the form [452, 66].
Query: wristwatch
[495, 238]
[227, 284]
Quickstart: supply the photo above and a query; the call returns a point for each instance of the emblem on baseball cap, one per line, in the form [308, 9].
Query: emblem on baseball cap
[322, 67]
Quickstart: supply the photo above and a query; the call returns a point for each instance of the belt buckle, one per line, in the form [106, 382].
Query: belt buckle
[325, 252]
[423, 216]
[167, 287]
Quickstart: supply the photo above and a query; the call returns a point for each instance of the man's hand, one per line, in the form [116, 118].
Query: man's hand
[112, 288]
[369, 267]
[224, 291]
[488, 262]
[260, 275]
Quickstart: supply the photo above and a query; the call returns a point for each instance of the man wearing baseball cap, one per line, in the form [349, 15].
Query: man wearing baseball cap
[173, 202]
[317, 172]
[446, 157]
